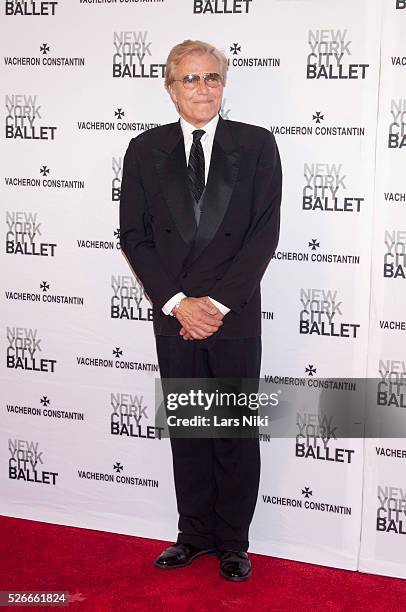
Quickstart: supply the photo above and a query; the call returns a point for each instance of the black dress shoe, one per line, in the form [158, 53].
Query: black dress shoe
[179, 555]
[234, 565]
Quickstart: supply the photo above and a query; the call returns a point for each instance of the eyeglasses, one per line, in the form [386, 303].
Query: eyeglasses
[192, 81]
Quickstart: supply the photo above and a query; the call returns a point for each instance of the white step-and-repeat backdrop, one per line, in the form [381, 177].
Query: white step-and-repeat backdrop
[78, 444]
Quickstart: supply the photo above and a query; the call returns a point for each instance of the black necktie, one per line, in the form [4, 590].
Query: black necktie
[196, 166]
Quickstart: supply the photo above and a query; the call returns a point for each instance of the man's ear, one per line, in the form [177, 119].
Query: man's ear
[172, 93]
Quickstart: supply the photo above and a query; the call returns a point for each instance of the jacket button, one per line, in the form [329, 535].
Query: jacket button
[168, 230]
[227, 234]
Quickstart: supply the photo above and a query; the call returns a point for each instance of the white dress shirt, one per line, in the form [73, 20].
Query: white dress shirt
[207, 145]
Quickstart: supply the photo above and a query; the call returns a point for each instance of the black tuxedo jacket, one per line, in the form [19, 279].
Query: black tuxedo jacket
[224, 257]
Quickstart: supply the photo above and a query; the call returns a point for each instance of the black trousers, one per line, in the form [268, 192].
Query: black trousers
[216, 479]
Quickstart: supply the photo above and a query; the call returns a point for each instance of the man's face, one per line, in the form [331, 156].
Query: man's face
[199, 105]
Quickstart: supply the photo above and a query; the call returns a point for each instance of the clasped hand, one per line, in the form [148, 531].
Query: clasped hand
[199, 318]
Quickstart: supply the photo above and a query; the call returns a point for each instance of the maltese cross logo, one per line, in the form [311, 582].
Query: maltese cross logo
[313, 244]
[317, 117]
[310, 370]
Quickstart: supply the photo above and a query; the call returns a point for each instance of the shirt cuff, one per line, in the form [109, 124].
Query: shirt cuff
[223, 309]
[167, 307]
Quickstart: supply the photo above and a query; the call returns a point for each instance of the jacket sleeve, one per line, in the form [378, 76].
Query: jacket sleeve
[248, 266]
[136, 235]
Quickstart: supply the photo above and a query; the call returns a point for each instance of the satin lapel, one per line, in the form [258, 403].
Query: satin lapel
[223, 172]
[172, 171]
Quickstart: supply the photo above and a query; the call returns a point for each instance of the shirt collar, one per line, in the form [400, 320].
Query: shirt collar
[188, 128]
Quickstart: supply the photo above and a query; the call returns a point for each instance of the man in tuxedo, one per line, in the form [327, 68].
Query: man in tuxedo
[199, 217]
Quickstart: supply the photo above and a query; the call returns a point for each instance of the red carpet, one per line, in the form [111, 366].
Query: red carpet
[106, 572]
